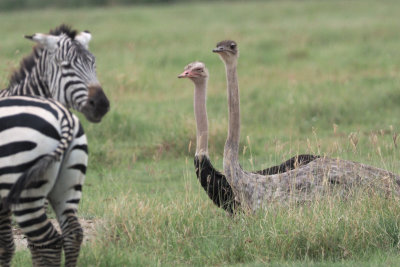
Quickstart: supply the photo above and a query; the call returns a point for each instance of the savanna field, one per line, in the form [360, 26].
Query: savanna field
[319, 77]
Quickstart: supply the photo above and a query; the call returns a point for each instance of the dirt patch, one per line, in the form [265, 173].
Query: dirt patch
[89, 230]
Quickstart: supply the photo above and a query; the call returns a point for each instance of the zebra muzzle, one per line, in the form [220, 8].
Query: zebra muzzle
[97, 104]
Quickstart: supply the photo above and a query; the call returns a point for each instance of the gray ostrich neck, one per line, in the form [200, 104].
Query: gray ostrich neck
[33, 82]
[231, 150]
[233, 172]
[200, 111]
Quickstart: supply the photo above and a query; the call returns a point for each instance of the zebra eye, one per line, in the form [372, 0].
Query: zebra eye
[90, 59]
[61, 63]
[65, 64]
[92, 62]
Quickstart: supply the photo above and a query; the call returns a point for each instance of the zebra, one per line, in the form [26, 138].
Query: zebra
[62, 68]
[43, 154]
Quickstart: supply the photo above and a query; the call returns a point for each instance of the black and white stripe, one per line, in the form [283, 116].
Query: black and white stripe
[62, 68]
[43, 154]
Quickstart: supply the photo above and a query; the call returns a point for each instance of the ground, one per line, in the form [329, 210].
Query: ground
[89, 229]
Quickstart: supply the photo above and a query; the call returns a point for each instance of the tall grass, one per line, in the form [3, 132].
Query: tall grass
[315, 77]
[187, 232]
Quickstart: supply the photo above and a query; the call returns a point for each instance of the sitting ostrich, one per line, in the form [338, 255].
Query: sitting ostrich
[317, 177]
[212, 180]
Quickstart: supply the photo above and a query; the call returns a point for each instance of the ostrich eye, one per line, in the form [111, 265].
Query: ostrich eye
[233, 46]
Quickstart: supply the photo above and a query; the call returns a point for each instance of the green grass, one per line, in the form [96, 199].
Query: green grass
[315, 77]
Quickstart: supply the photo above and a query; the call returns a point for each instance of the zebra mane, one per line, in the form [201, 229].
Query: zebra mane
[29, 62]
[64, 29]
[25, 66]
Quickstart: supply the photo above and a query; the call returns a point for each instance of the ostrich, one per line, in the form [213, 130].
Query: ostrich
[213, 181]
[317, 177]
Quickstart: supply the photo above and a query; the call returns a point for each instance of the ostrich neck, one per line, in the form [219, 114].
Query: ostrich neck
[233, 172]
[231, 150]
[200, 112]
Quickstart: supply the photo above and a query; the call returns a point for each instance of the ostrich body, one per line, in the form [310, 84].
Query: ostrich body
[318, 177]
[212, 180]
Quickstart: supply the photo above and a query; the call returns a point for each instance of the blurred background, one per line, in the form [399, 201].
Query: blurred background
[23, 4]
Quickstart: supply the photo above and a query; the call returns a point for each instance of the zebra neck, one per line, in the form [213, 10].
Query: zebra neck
[28, 87]
[30, 79]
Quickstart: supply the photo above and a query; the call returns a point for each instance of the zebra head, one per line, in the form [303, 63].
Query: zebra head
[70, 72]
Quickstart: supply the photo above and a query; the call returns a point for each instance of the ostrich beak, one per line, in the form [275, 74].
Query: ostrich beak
[184, 74]
[218, 49]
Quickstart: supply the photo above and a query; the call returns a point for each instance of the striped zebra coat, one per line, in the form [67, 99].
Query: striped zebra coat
[61, 67]
[43, 154]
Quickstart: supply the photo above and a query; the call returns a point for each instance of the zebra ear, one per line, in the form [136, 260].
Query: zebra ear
[84, 38]
[46, 40]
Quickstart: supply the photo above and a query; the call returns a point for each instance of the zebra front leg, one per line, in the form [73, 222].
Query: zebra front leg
[7, 246]
[44, 242]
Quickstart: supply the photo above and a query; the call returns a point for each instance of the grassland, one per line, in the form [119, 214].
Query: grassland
[315, 76]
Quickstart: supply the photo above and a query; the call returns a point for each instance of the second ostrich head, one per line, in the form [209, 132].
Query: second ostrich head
[196, 71]
[228, 51]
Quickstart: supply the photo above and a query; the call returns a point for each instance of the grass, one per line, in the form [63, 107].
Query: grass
[315, 77]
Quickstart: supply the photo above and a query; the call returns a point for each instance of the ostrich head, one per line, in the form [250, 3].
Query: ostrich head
[196, 71]
[228, 51]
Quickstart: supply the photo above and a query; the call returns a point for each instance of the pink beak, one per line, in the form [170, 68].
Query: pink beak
[184, 74]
